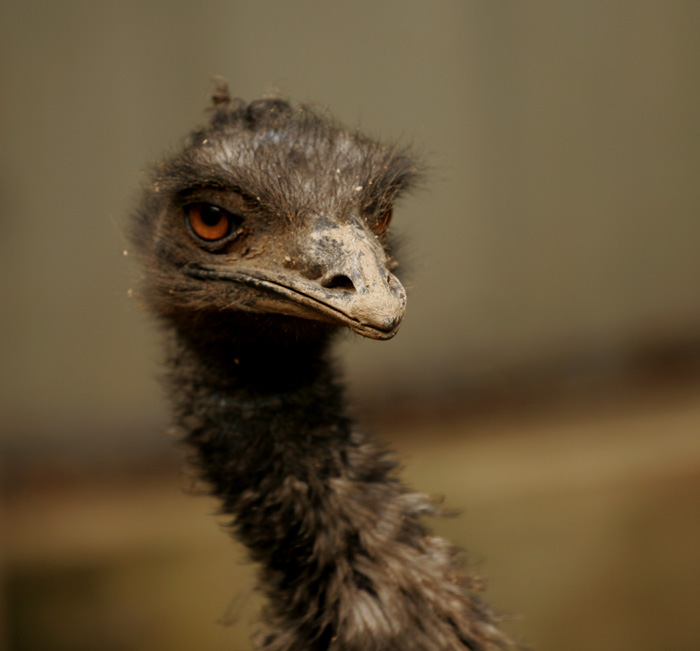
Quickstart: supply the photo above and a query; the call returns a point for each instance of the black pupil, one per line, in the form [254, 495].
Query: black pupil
[211, 215]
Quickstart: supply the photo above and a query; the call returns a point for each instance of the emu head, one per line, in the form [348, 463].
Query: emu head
[275, 210]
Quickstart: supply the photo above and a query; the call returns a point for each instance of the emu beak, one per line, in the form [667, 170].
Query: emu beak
[337, 273]
[344, 270]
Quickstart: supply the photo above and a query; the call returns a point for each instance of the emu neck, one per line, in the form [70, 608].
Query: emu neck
[267, 427]
[345, 561]
[263, 395]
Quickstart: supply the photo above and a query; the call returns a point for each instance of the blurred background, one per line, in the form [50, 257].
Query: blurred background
[546, 379]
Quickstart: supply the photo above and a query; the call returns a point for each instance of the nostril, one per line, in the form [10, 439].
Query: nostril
[338, 282]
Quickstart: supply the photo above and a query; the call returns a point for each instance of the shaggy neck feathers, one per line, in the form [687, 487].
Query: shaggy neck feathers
[345, 562]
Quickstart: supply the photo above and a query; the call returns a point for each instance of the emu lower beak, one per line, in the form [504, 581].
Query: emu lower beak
[338, 274]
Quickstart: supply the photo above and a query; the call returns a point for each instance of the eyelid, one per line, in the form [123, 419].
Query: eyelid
[231, 200]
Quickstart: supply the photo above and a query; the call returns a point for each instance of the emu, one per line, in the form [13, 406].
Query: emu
[260, 240]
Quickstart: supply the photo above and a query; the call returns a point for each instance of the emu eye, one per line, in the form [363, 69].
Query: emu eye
[209, 222]
[383, 220]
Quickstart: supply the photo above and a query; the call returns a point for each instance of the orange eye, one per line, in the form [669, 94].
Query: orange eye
[209, 222]
[383, 220]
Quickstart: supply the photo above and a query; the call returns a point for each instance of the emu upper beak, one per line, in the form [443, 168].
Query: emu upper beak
[338, 273]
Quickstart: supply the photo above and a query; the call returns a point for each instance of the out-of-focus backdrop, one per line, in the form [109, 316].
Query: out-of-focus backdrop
[547, 377]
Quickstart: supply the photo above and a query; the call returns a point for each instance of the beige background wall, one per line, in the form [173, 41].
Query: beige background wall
[559, 228]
